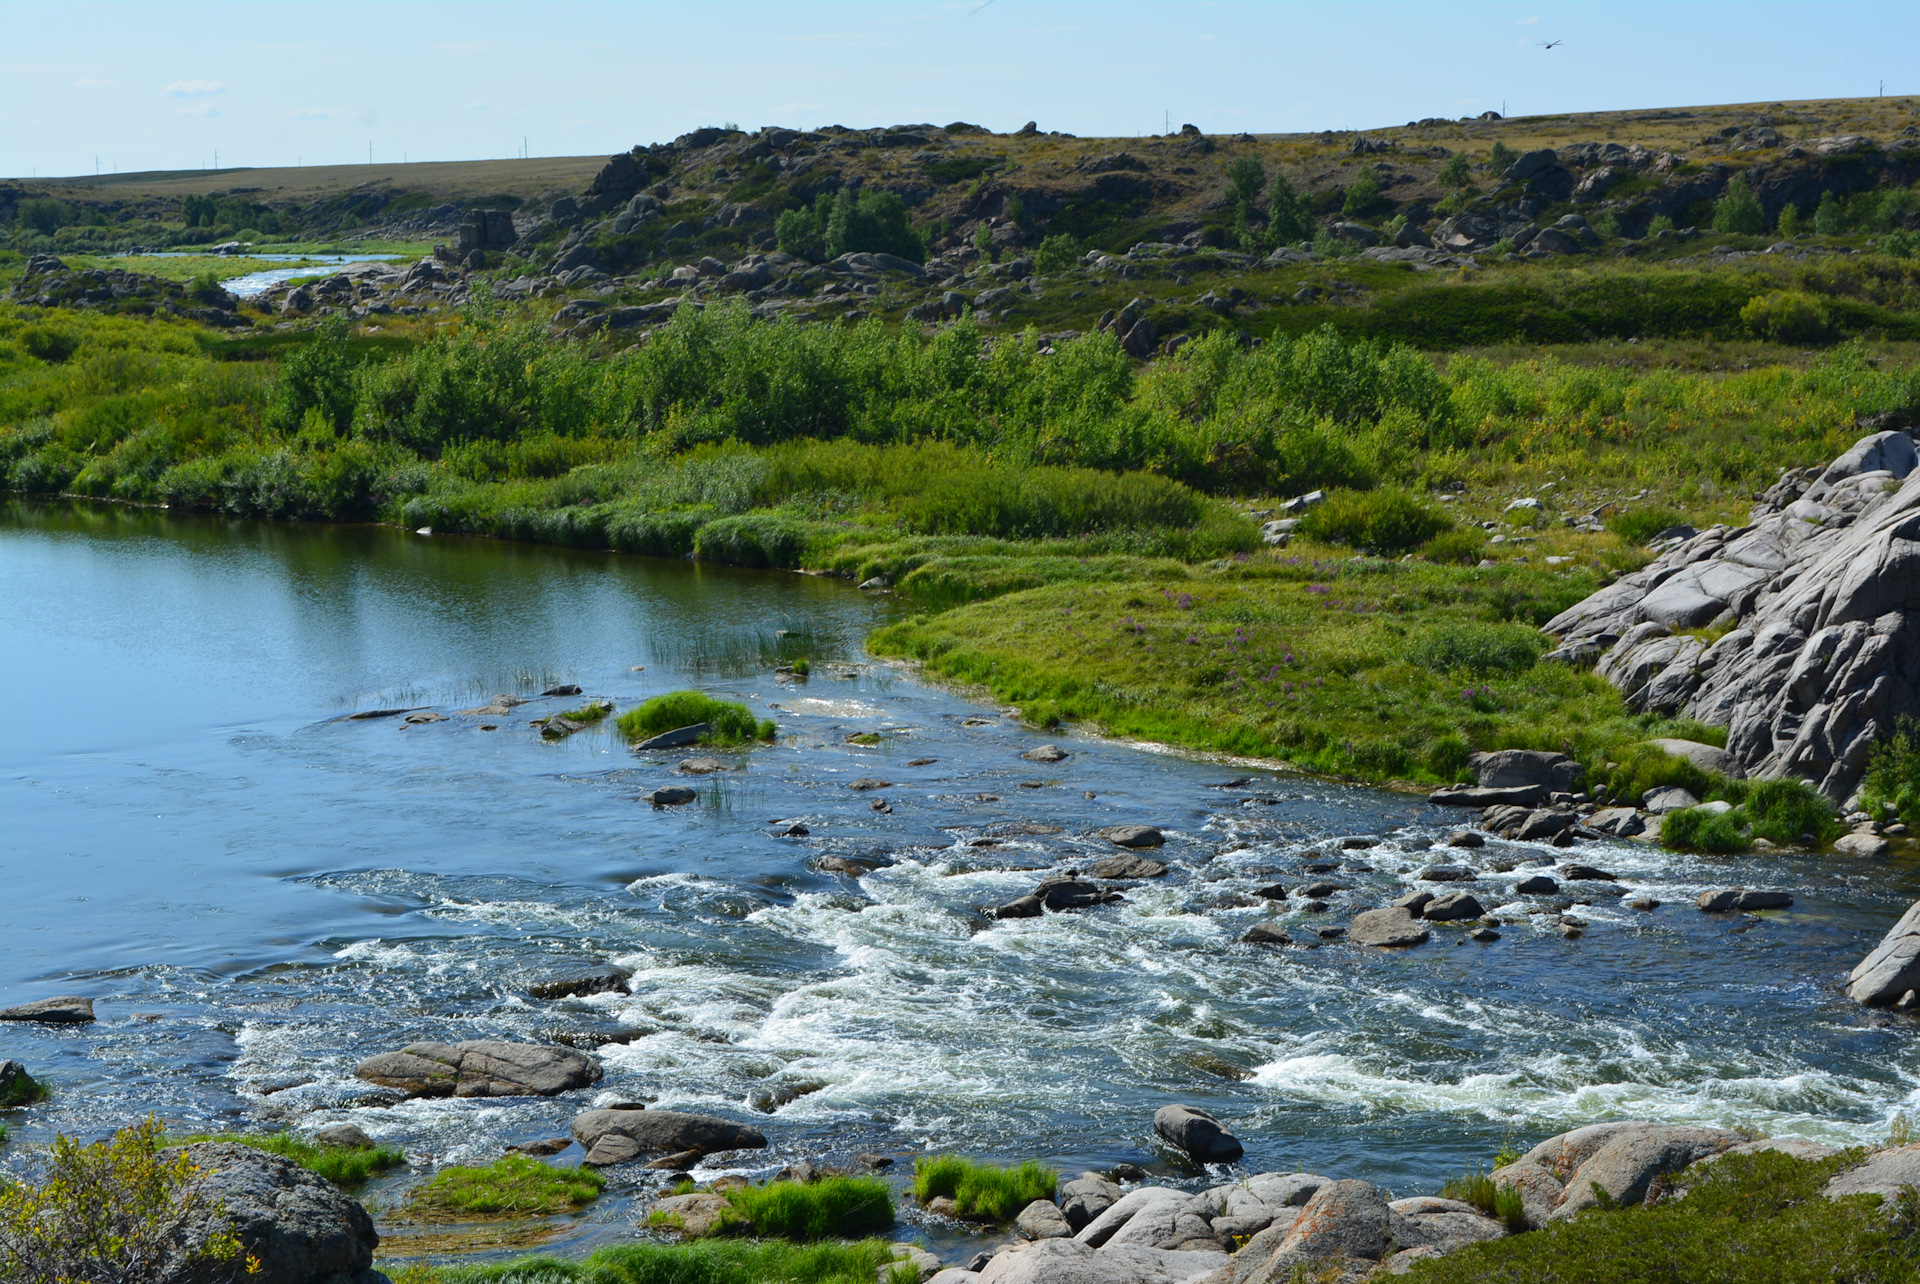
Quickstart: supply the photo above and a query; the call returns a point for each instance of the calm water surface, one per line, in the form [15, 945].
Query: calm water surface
[261, 892]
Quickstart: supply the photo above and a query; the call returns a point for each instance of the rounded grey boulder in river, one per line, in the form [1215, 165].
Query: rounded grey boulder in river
[259, 893]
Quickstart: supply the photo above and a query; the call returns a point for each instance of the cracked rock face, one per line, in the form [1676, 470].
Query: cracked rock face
[1822, 592]
[480, 1068]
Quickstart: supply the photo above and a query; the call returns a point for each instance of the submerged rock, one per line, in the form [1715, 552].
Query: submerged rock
[480, 1068]
[1742, 898]
[1126, 867]
[606, 980]
[679, 736]
[671, 796]
[1046, 753]
[1132, 836]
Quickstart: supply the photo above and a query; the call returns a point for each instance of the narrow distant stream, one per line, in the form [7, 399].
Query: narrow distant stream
[259, 282]
[260, 892]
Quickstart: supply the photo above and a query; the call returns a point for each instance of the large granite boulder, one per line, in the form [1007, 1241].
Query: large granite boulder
[1065, 1261]
[1892, 970]
[480, 1068]
[300, 1226]
[1822, 590]
[1572, 1171]
[616, 1136]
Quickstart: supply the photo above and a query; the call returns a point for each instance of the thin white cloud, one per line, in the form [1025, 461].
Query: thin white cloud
[1527, 22]
[193, 88]
[198, 109]
[314, 113]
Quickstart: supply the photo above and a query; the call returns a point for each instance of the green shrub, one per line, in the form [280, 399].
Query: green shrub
[341, 1165]
[1388, 521]
[831, 1208]
[1743, 1218]
[1465, 546]
[1781, 811]
[115, 1210]
[1893, 772]
[1502, 1203]
[731, 723]
[982, 1190]
[1638, 525]
[1646, 766]
[752, 539]
[516, 1184]
[1786, 316]
[1739, 211]
[1698, 830]
[1479, 649]
[1057, 253]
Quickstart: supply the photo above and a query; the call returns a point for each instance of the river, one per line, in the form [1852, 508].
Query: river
[260, 891]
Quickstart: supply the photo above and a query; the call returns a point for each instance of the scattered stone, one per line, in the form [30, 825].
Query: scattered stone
[1272, 892]
[616, 1136]
[701, 766]
[1042, 1220]
[1586, 874]
[1643, 903]
[424, 716]
[671, 796]
[1475, 796]
[480, 1068]
[564, 689]
[1446, 874]
[1198, 1133]
[1132, 836]
[541, 1149]
[1483, 934]
[1536, 885]
[695, 1215]
[65, 1009]
[1465, 838]
[1670, 798]
[869, 782]
[1413, 902]
[1619, 822]
[1046, 753]
[1868, 845]
[1387, 928]
[1266, 934]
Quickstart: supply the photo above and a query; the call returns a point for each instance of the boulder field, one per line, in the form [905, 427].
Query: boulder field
[1820, 598]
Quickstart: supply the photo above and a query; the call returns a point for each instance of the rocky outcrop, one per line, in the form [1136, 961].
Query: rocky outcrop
[299, 1226]
[480, 1068]
[1892, 971]
[1821, 591]
[617, 1136]
[1573, 1171]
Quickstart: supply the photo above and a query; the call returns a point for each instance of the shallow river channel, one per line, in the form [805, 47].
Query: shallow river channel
[260, 892]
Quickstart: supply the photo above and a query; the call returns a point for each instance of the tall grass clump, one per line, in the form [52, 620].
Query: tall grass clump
[733, 1261]
[1386, 522]
[1783, 811]
[730, 723]
[831, 1208]
[515, 1184]
[1893, 772]
[1478, 649]
[1695, 829]
[1502, 1203]
[341, 1165]
[982, 1190]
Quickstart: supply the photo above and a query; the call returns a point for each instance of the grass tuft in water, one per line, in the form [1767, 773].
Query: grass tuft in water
[704, 1262]
[982, 1190]
[338, 1164]
[731, 723]
[514, 1184]
[831, 1208]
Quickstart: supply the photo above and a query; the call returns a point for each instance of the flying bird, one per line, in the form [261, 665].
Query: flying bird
[1548, 44]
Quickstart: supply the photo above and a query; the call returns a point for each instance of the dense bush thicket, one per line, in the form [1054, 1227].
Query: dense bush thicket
[491, 425]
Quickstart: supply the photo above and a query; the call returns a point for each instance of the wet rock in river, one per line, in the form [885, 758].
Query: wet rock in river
[1266, 934]
[695, 1215]
[1453, 906]
[1198, 1133]
[1465, 838]
[1577, 873]
[1413, 902]
[480, 1068]
[1536, 885]
[344, 1136]
[1446, 874]
[425, 715]
[688, 735]
[701, 766]
[1132, 836]
[616, 1136]
[1388, 928]
[1892, 969]
[1868, 845]
[1126, 866]
[564, 689]
[670, 796]
[65, 1009]
[1721, 900]
[606, 980]
[1273, 892]
[1042, 1220]
[1045, 753]
[866, 783]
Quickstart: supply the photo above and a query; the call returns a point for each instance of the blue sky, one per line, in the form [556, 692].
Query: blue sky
[164, 85]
